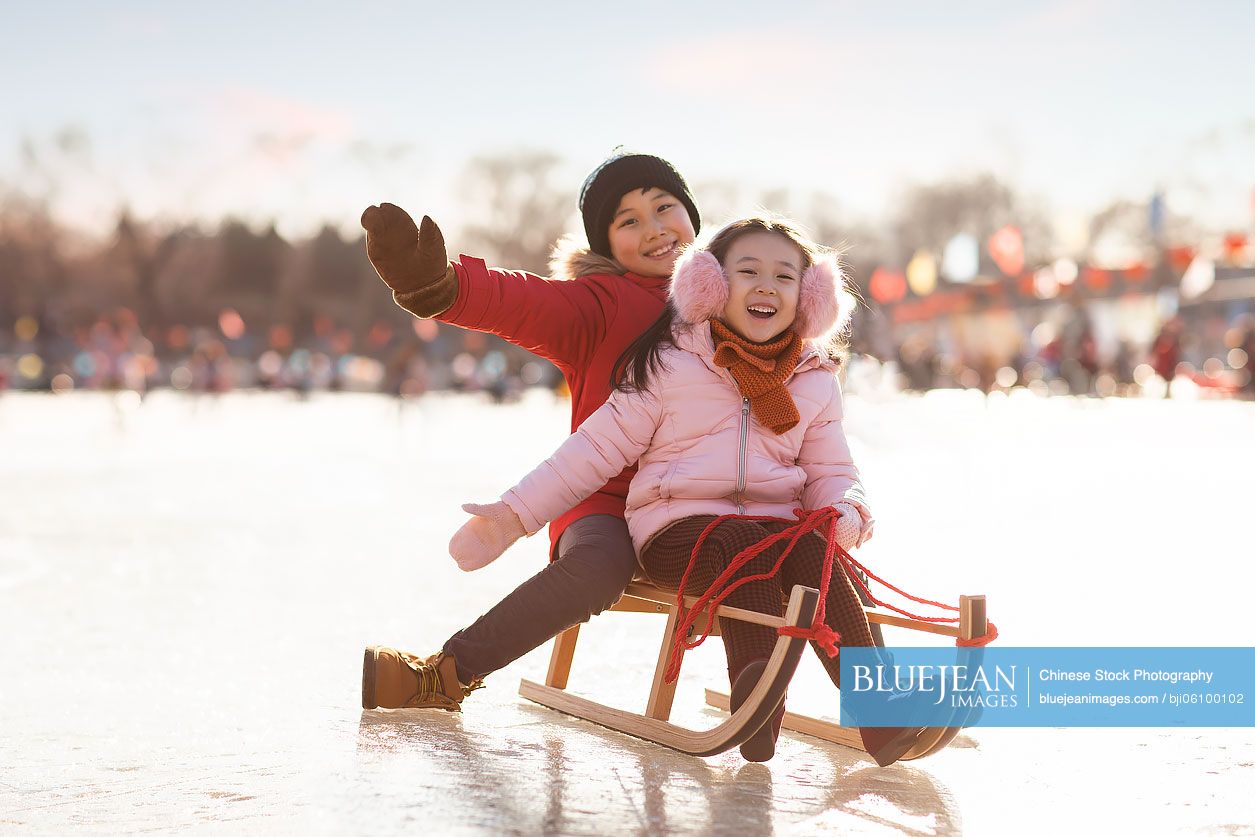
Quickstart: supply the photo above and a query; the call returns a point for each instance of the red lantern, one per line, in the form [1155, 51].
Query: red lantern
[1006, 248]
[1180, 257]
[1234, 244]
[887, 286]
[1096, 278]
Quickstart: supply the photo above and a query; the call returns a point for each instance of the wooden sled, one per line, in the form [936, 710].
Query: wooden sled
[653, 725]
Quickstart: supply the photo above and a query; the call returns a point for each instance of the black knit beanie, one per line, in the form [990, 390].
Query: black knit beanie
[619, 174]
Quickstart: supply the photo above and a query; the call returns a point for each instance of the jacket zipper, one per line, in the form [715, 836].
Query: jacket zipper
[740, 466]
[740, 469]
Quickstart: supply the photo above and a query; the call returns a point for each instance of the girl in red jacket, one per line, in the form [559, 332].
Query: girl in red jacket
[638, 213]
[732, 406]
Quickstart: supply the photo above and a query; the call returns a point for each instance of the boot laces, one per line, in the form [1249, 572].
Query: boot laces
[429, 681]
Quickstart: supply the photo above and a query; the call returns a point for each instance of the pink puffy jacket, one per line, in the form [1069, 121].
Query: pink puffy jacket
[700, 449]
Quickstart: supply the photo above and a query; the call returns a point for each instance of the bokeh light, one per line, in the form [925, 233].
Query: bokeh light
[84, 365]
[1065, 271]
[531, 373]
[1006, 248]
[463, 367]
[1045, 284]
[30, 366]
[270, 364]
[426, 330]
[280, 337]
[1198, 277]
[921, 273]
[887, 285]
[961, 259]
[26, 328]
[177, 337]
[231, 324]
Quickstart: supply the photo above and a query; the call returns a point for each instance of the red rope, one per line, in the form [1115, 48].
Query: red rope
[850, 563]
[724, 585]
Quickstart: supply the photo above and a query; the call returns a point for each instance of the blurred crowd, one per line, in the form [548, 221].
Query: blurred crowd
[1150, 306]
[115, 352]
[409, 357]
[1067, 359]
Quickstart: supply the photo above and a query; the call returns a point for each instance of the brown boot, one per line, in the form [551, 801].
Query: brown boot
[395, 679]
[762, 746]
[888, 744]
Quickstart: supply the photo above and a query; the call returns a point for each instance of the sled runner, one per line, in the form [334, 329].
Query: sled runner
[653, 725]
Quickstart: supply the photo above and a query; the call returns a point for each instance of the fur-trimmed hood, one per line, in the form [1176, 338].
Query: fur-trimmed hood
[572, 259]
[699, 291]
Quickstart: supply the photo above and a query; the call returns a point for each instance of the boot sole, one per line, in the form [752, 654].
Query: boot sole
[369, 662]
[762, 746]
[896, 747]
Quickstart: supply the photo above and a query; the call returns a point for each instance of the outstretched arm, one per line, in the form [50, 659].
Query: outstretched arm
[410, 260]
[560, 321]
[608, 441]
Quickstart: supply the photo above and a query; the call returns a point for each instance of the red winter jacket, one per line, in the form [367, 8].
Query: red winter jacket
[581, 320]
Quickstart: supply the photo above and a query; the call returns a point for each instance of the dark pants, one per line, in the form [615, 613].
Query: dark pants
[595, 563]
[667, 556]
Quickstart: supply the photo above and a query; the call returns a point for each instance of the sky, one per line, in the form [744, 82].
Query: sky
[306, 113]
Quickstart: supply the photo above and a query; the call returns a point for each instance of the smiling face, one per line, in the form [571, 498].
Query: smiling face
[764, 271]
[648, 230]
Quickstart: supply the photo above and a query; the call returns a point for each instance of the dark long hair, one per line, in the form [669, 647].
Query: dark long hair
[643, 357]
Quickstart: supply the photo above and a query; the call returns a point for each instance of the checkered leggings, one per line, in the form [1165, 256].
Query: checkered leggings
[667, 556]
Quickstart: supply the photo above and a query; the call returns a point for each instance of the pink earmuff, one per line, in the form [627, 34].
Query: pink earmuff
[699, 291]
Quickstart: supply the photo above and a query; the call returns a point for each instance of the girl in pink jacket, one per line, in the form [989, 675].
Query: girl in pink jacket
[730, 404]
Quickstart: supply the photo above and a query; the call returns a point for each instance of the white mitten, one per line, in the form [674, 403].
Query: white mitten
[483, 538]
[850, 527]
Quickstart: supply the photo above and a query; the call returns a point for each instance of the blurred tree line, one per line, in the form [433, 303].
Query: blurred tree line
[520, 203]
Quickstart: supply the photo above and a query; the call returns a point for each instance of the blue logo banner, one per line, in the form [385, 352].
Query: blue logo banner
[1048, 687]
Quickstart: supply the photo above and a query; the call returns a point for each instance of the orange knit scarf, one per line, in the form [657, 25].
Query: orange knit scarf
[760, 370]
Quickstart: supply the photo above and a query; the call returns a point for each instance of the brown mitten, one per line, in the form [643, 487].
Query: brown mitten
[411, 260]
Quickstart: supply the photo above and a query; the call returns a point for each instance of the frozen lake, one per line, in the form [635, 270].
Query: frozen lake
[186, 586]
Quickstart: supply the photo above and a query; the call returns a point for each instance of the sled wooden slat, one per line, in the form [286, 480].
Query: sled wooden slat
[560, 660]
[972, 621]
[648, 593]
[631, 604]
[740, 726]
[911, 624]
[934, 739]
[826, 730]
[662, 693]
[641, 597]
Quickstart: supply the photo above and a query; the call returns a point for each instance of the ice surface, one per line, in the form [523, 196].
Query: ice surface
[186, 586]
